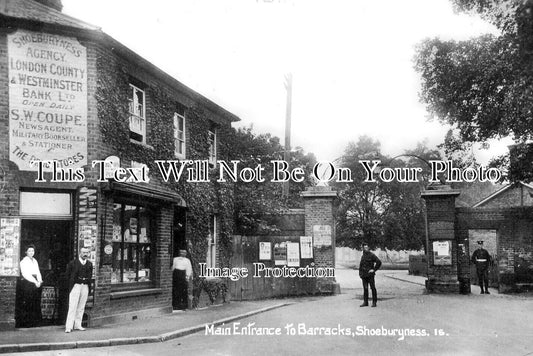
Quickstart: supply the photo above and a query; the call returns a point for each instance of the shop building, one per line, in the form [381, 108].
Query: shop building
[71, 94]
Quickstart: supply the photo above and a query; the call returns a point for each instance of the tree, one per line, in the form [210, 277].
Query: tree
[404, 223]
[257, 203]
[387, 215]
[484, 86]
[458, 151]
[360, 202]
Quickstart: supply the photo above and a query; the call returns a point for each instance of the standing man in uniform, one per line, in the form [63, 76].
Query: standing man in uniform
[481, 258]
[368, 266]
[80, 273]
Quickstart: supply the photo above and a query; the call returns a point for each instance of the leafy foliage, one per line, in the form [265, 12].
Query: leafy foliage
[458, 151]
[388, 215]
[214, 288]
[484, 86]
[203, 199]
[257, 202]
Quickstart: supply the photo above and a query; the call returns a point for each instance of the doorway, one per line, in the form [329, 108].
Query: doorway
[53, 251]
[180, 288]
[490, 243]
[179, 241]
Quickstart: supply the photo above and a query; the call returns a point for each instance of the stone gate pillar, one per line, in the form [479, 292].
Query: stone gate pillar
[442, 246]
[320, 224]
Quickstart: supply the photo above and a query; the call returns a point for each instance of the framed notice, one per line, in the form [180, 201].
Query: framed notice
[280, 253]
[306, 246]
[322, 235]
[442, 253]
[9, 246]
[265, 250]
[293, 254]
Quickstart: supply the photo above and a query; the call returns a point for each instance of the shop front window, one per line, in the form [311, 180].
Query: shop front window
[132, 244]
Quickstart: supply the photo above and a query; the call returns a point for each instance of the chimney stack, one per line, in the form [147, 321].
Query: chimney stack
[54, 4]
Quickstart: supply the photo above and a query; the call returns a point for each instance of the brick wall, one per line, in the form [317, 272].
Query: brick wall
[318, 207]
[514, 233]
[97, 148]
[518, 195]
[7, 307]
[319, 211]
[440, 214]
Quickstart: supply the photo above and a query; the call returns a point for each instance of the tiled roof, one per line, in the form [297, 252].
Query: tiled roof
[31, 10]
[500, 191]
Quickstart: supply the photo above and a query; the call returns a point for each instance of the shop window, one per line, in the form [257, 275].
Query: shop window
[179, 132]
[212, 139]
[212, 241]
[132, 244]
[137, 114]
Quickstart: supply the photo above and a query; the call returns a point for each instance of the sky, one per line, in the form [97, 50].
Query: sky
[351, 62]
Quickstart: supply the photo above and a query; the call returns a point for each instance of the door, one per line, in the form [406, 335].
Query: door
[53, 250]
[179, 241]
[490, 243]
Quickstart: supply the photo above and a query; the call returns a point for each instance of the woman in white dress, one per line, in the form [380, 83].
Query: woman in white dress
[30, 290]
[181, 274]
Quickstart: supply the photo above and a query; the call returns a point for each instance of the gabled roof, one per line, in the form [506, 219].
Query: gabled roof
[500, 191]
[32, 10]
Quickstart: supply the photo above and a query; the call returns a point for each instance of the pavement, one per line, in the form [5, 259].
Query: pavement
[421, 280]
[150, 330]
[178, 324]
[405, 277]
[407, 321]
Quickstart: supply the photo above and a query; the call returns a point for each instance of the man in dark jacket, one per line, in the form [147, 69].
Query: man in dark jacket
[368, 266]
[80, 273]
[481, 258]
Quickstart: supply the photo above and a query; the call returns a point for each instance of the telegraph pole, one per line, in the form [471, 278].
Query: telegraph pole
[287, 152]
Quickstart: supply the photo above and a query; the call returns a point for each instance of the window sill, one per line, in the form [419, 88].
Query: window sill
[135, 293]
[142, 144]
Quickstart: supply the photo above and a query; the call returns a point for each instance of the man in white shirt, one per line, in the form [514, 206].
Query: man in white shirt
[79, 271]
[181, 274]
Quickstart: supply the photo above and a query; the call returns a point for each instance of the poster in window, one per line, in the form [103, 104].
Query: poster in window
[265, 250]
[280, 253]
[442, 253]
[306, 246]
[293, 254]
[144, 232]
[133, 226]
[9, 246]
